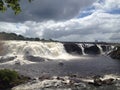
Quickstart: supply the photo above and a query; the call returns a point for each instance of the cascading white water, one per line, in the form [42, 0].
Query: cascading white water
[34, 48]
[42, 49]
[100, 48]
[22, 50]
[82, 48]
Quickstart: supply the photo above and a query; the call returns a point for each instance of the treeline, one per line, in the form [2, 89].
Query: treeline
[13, 36]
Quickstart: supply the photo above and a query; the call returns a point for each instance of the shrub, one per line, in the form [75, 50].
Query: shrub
[10, 78]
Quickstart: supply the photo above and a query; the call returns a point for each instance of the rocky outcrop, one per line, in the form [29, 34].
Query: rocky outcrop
[6, 59]
[92, 50]
[104, 48]
[99, 82]
[116, 53]
[73, 48]
[34, 58]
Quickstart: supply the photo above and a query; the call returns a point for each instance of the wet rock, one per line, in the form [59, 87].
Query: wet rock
[43, 77]
[99, 82]
[104, 48]
[6, 59]
[92, 50]
[51, 83]
[73, 75]
[60, 78]
[96, 81]
[75, 80]
[18, 63]
[34, 59]
[108, 81]
[73, 48]
[60, 63]
[115, 54]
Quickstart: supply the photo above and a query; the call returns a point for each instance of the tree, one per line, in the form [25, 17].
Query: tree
[13, 4]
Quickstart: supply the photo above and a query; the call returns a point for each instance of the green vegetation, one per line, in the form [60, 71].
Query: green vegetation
[13, 36]
[9, 79]
[13, 4]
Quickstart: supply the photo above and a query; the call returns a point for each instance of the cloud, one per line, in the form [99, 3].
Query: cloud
[99, 24]
[40, 10]
[18, 28]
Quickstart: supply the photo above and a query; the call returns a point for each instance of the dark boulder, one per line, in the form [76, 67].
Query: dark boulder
[104, 48]
[34, 58]
[60, 63]
[92, 50]
[43, 77]
[115, 54]
[108, 81]
[97, 81]
[6, 59]
[73, 48]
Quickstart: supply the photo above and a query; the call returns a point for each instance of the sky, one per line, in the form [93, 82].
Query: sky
[65, 20]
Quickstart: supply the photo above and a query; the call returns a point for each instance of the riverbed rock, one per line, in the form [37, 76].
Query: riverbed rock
[60, 63]
[6, 59]
[99, 82]
[34, 58]
[92, 50]
[43, 77]
[115, 54]
[73, 48]
[108, 81]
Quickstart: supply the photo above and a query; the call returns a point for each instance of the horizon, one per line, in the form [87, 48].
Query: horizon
[4, 38]
[75, 20]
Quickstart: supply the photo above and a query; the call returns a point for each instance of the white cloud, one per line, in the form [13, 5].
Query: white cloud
[99, 25]
[107, 5]
[18, 28]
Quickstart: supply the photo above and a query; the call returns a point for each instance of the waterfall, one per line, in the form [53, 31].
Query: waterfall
[51, 50]
[27, 52]
[34, 48]
[81, 46]
[36, 51]
[100, 48]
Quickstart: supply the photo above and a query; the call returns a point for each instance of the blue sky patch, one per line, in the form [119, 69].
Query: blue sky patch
[86, 12]
[114, 11]
[101, 1]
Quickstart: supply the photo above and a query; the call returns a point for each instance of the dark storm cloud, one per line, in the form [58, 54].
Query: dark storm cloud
[59, 19]
[39, 10]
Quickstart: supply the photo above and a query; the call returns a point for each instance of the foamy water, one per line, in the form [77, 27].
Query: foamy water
[82, 64]
[48, 83]
[46, 50]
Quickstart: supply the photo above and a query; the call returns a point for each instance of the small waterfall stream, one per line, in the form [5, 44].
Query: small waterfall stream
[81, 46]
[100, 48]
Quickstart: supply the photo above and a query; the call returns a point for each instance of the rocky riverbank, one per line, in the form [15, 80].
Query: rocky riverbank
[72, 82]
[116, 53]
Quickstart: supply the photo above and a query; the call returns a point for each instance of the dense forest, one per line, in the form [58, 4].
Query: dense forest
[13, 36]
